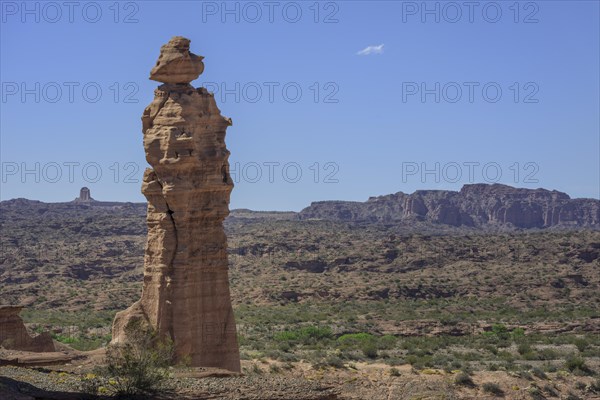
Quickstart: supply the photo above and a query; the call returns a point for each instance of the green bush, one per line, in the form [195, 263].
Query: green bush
[387, 342]
[577, 365]
[524, 348]
[304, 335]
[501, 331]
[518, 333]
[366, 343]
[139, 366]
[355, 340]
[581, 344]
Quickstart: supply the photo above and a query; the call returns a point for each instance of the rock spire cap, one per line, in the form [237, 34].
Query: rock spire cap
[176, 64]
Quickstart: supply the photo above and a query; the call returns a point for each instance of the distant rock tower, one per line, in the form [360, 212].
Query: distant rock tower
[185, 293]
[84, 195]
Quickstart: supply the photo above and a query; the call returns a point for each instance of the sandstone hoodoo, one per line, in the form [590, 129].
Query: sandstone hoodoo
[185, 293]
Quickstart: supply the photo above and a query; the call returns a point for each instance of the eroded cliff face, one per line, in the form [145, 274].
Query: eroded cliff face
[186, 287]
[477, 205]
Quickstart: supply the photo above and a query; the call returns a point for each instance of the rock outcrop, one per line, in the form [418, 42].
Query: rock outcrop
[477, 205]
[85, 196]
[186, 287]
[176, 64]
[14, 335]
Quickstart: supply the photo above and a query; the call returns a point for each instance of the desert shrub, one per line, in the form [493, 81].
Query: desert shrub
[420, 362]
[365, 342]
[386, 342]
[524, 348]
[548, 354]
[441, 360]
[91, 384]
[518, 333]
[394, 372]
[463, 379]
[64, 339]
[595, 386]
[580, 385]
[577, 365]
[305, 335]
[335, 362]
[550, 367]
[550, 390]
[491, 348]
[501, 331]
[581, 344]
[355, 340]
[394, 361]
[524, 375]
[139, 366]
[492, 388]
[468, 355]
[535, 393]
[369, 350]
[274, 368]
[255, 369]
[506, 356]
[330, 361]
[572, 396]
[539, 373]
[288, 366]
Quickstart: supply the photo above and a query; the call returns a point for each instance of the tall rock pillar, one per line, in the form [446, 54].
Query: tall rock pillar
[185, 293]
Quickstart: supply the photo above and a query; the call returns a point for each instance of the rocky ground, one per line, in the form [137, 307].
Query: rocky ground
[357, 382]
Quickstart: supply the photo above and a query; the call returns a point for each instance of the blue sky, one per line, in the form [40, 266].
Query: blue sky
[305, 99]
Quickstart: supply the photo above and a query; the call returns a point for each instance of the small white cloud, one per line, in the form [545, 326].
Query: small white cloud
[371, 50]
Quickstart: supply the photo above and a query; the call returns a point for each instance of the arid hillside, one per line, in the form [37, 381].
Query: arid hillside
[88, 257]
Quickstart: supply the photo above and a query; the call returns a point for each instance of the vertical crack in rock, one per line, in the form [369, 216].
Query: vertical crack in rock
[166, 312]
[170, 213]
[185, 294]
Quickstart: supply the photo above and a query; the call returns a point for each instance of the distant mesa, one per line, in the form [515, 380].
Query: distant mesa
[84, 196]
[476, 205]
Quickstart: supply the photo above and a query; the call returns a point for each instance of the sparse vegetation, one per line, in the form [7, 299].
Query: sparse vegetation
[463, 379]
[139, 366]
[492, 388]
[577, 365]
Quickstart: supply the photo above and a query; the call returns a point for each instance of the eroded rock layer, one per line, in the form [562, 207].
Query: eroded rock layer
[186, 288]
[14, 335]
[477, 205]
